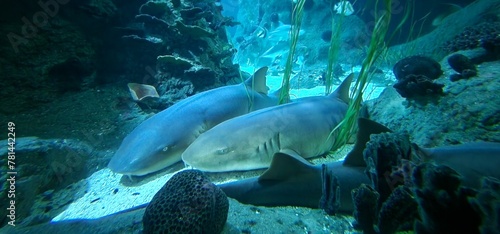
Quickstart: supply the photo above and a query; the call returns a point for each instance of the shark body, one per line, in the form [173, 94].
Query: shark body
[293, 181]
[159, 141]
[250, 141]
[471, 160]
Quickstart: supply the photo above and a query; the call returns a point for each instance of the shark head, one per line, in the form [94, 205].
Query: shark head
[213, 153]
[144, 151]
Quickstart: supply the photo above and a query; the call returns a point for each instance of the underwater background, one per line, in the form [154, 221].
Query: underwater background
[78, 76]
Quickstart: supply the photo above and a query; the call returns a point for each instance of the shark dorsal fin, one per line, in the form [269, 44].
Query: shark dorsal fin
[258, 81]
[276, 93]
[342, 92]
[366, 128]
[285, 164]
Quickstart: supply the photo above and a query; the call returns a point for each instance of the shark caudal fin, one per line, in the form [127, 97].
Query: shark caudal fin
[286, 164]
[258, 81]
[366, 128]
[342, 92]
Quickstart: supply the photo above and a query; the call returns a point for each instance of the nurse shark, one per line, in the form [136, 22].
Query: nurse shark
[249, 141]
[293, 181]
[159, 141]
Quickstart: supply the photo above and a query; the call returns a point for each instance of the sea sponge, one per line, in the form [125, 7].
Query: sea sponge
[187, 203]
[418, 66]
[418, 85]
[415, 75]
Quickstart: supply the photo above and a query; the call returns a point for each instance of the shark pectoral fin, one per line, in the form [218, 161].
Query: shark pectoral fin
[284, 165]
[342, 92]
[258, 81]
[366, 128]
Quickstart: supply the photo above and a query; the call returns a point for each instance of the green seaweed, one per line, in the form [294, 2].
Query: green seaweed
[294, 37]
[333, 52]
[376, 48]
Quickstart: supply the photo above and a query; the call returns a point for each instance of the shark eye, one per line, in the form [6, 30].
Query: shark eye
[165, 149]
[223, 151]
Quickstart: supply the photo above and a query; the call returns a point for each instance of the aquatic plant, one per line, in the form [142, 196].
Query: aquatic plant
[333, 51]
[376, 48]
[294, 37]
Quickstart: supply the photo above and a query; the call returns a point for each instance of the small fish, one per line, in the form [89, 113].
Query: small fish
[344, 8]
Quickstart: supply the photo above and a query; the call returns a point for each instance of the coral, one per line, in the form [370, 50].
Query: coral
[444, 204]
[428, 197]
[156, 9]
[173, 90]
[487, 202]
[417, 66]
[187, 203]
[384, 152]
[391, 204]
[192, 13]
[473, 36]
[330, 198]
[365, 201]
[153, 25]
[399, 209]
[170, 63]
[193, 31]
[463, 65]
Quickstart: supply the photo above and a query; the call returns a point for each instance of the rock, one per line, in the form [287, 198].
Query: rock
[469, 110]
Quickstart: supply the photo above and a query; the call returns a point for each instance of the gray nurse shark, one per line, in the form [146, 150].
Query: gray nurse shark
[293, 181]
[249, 141]
[159, 141]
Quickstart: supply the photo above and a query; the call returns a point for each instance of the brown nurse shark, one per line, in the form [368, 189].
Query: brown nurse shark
[159, 141]
[249, 141]
[293, 181]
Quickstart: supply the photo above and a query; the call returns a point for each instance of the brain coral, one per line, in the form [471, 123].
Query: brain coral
[187, 203]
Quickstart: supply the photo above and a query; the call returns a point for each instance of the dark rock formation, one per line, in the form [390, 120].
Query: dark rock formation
[463, 65]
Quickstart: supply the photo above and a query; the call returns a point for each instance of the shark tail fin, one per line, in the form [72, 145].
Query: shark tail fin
[258, 81]
[285, 164]
[366, 128]
[342, 92]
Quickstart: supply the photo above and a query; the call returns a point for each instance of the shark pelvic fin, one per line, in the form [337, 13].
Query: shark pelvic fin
[285, 164]
[366, 128]
[258, 81]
